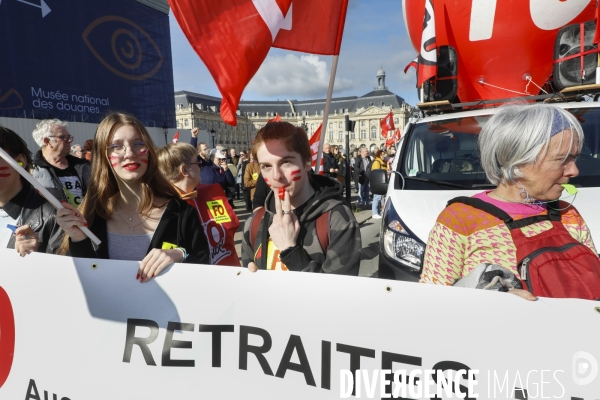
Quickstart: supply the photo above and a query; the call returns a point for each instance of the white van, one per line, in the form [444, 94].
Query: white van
[437, 160]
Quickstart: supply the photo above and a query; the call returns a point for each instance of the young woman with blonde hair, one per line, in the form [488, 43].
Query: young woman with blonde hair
[130, 206]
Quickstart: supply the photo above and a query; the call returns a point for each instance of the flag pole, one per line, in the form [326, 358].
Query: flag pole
[326, 112]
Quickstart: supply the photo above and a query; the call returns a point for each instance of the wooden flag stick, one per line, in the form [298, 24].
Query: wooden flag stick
[326, 112]
[43, 191]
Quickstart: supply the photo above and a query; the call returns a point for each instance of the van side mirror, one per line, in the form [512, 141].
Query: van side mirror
[379, 181]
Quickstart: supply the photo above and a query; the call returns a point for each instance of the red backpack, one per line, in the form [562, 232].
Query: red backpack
[552, 263]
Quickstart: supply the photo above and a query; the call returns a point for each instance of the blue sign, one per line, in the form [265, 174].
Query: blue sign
[75, 60]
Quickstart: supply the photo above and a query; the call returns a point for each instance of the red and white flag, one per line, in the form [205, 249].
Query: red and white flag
[426, 61]
[233, 37]
[176, 137]
[394, 139]
[387, 124]
[276, 119]
[314, 141]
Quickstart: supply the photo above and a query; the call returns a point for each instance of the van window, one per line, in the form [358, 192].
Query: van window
[446, 151]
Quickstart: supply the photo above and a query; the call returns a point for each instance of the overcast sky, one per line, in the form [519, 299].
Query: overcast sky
[374, 36]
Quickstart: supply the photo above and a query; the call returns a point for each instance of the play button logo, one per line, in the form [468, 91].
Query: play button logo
[7, 336]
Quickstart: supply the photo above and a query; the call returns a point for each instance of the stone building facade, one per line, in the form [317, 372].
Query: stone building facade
[202, 111]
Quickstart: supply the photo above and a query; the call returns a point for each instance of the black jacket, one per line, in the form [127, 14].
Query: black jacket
[329, 162]
[44, 173]
[36, 212]
[179, 225]
[360, 166]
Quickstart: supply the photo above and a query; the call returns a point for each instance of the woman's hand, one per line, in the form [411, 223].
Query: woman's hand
[285, 227]
[252, 267]
[69, 219]
[26, 241]
[524, 294]
[157, 260]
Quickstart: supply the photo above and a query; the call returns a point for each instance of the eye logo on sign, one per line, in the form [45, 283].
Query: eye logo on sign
[123, 47]
[11, 99]
[7, 336]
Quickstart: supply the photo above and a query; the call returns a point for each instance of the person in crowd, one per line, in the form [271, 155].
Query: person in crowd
[178, 162]
[286, 237]
[354, 169]
[243, 163]
[220, 173]
[232, 160]
[66, 177]
[251, 175]
[378, 163]
[232, 157]
[77, 151]
[390, 158]
[21, 207]
[341, 166]
[363, 170]
[203, 149]
[373, 151]
[135, 211]
[330, 167]
[528, 151]
[87, 149]
[261, 190]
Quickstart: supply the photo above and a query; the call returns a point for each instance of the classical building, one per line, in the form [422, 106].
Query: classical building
[198, 110]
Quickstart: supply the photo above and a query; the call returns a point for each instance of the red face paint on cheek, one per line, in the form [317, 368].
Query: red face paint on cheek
[266, 180]
[113, 159]
[4, 173]
[296, 172]
[296, 178]
[145, 161]
[143, 152]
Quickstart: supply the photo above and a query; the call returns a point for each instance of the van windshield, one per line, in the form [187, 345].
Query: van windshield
[443, 155]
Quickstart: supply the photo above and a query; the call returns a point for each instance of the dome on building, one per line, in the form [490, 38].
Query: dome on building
[381, 72]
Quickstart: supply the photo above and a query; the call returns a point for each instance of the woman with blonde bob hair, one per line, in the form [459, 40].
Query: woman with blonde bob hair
[130, 206]
[179, 163]
[529, 152]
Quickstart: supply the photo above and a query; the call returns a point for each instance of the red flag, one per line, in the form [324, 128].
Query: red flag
[597, 33]
[426, 62]
[276, 119]
[314, 141]
[305, 16]
[387, 124]
[394, 139]
[232, 37]
[176, 137]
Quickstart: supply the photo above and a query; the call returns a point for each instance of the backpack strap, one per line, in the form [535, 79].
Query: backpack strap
[553, 212]
[323, 230]
[255, 224]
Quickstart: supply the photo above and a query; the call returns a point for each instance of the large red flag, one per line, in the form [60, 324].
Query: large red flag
[308, 19]
[232, 37]
[276, 119]
[314, 149]
[387, 124]
[426, 61]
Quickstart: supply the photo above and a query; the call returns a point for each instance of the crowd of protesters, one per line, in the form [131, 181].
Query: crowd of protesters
[174, 204]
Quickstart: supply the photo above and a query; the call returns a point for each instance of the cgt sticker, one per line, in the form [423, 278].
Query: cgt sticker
[7, 336]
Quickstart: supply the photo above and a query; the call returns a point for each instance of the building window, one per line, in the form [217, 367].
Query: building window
[373, 132]
[363, 134]
[330, 136]
[330, 126]
[339, 125]
[185, 122]
[396, 120]
[363, 123]
[340, 136]
[352, 135]
[178, 124]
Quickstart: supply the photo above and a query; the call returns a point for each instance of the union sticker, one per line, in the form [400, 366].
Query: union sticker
[218, 211]
[168, 246]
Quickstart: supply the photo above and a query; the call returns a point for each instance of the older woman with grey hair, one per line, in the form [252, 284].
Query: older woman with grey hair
[529, 152]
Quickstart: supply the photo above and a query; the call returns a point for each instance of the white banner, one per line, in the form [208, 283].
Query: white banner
[87, 329]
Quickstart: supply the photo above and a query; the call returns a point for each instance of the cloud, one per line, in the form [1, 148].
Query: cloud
[294, 77]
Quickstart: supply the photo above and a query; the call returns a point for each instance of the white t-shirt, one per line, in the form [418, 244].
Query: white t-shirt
[5, 233]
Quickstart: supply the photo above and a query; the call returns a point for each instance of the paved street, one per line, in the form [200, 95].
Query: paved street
[369, 229]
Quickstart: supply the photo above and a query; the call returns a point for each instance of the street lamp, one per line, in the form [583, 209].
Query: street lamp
[165, 131]
[212, 133]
